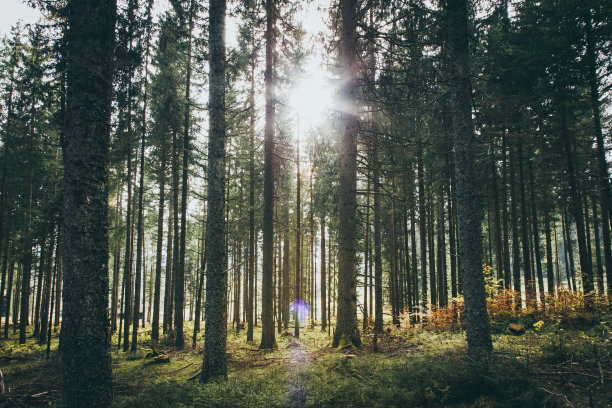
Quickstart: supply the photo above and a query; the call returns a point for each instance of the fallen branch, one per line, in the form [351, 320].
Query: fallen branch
[558, 395]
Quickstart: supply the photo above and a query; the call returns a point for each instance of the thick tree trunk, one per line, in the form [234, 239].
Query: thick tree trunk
[477, 319]
[215, 314]
[346, 327]
[85, 336]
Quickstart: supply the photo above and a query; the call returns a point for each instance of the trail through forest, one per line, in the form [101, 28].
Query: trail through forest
[298, 359]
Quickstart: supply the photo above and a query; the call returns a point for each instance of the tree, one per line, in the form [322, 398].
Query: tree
[215, 314]
[346, 328]
[267, 297]
[85, 336]
[476, 318]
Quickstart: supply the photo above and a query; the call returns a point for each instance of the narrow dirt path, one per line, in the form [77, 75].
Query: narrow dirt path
[298, 359]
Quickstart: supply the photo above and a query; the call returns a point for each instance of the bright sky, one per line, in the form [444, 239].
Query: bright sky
[14, 10]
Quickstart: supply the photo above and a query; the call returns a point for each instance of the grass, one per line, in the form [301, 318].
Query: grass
[549, 366]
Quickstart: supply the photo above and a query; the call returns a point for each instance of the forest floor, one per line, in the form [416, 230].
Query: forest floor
[549, 365]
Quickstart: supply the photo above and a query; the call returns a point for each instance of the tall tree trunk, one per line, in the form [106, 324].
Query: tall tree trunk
[252, 260]
[497, 234]
[298, 245]
[600, 274]
[477, 319]
[140, 226]
[516, 246]
[536, 235]
[346, 327]
[505, 232]
[179, 287]
[9, 287]
[215, 314]
[550, 277]
[323, 278]
[201, 274]
[159, 244]
[267, 296]
[530, 289]
[167, 324]
[85, 337]
[422, 229]
[378, 295]
[570, 156]
[366, 254]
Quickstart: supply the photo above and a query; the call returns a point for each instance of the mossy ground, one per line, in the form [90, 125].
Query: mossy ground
[414, 367]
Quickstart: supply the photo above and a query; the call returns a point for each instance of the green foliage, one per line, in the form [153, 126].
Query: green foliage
[255, 389]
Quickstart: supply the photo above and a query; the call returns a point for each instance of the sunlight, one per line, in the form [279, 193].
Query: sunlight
[312, 97]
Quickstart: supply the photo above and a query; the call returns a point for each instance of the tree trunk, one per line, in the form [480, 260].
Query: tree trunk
[346, 327]
[252, 260]
[477, 319]
[586, 273]
[215, 314]
[267, 296]
[602, 164]
[516, 247]
[85, 336]
[159, 244]
[179, 286]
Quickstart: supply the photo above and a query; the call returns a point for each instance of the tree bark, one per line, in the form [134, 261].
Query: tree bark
[85, 336]
[215, 314]
[346, 327]
[477, 319]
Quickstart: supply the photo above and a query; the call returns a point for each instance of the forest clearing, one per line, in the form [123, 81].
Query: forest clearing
[323, 203]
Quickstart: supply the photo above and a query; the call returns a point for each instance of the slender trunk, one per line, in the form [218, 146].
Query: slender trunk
[422, 230]
[201, 274]
[9, 287]
[600, 274]
[602, 164]
[570, 156]
[179, 286]
[160, 239]
[536, 235]
[505, 232]
[378, 297]
[298, 247]
[530, 290]
[252, 260]
[167, 324]
[366, 254]
[267, 296]
[516, 247]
